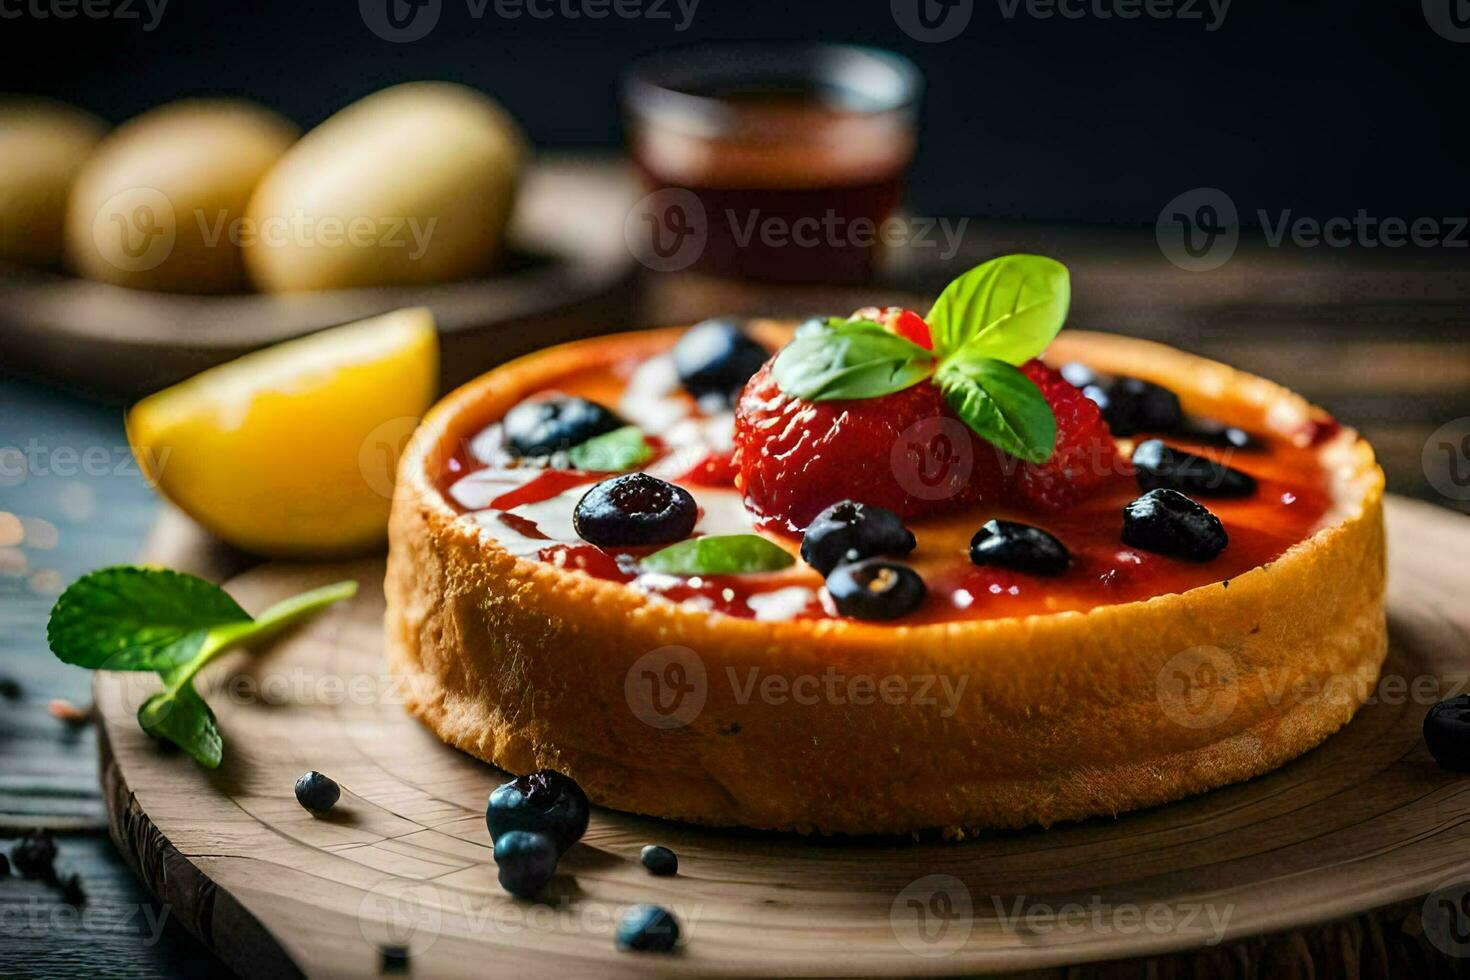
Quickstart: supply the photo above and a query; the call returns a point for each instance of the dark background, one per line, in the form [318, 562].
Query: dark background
[1323, 107]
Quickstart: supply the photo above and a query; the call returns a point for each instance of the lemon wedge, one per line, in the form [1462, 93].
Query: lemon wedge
[291, 451]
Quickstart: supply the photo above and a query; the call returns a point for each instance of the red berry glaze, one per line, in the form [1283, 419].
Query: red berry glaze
[796, 458]
[1085, 455]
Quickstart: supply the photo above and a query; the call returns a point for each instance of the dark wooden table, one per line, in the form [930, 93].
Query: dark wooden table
[1381, 338]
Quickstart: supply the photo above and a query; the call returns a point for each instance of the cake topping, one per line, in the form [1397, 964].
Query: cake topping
[1132, 405]
[724, 554]
[715, 358]
[1084, 457]
[1158, 465]
[636, 509]
[875, 589]
[849, 531]
[1019, 547]
[1169, 523]
[553, 423]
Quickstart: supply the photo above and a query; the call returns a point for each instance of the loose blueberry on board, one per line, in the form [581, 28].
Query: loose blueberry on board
[72, 892]
[545, 425]
[1132, 405]
[316, 792]
[850, 531]
[635, 509]
[1157, 465]
[1019, 547]
[1169, 523]
[659, 860]
[393, 959]
[875, 589]
[35, 855]
[1447, 733]
[717, 357]
[648, 929]
[544, 802]
[4, 865]
[526, 861]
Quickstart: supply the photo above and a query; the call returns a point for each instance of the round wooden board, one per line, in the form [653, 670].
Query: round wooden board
[568, 273]
[1365, 826]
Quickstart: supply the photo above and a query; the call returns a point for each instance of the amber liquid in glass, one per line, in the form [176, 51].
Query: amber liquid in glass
[793, 187]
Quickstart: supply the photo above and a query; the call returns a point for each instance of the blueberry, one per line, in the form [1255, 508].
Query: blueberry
[1132, 405]
[1019, 547]
[10, 689]
[1168, 522]
[1157, 465]
[35, 855]
[659, 860]
[717, 357]
[875, 589]
[1078, 375]
[545, 802]
[392, 959]
[849, 531]
[527, 861]
[1447, 733]
[648, 929]
[553, 423]
[635, 509]
[4, 865]
[72, 892]
[1212, 433]
[316, 792]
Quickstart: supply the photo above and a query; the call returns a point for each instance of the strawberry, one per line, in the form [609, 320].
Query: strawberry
[904, 451]
[897, 320]
[1085, 455]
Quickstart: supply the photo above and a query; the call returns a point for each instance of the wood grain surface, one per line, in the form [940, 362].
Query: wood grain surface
[1321, 868]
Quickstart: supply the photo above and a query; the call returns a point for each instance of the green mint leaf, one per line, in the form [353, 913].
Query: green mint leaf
[856, 359]
[730, 554]
[1009, 309]
[131, 618]
[612, 452]
[1001, 405]
[179, 715]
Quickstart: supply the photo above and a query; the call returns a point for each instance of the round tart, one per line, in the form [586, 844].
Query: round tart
[1117, 677]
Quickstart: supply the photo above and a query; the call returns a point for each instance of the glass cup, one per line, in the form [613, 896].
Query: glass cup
[774, 163]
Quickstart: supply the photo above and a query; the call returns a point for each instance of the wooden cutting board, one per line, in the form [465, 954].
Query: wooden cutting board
[1320, 867]
[568, 273]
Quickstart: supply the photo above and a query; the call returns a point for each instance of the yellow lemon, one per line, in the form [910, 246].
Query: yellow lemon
[291, 451]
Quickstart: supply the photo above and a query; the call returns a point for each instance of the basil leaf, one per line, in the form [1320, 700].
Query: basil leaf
[612, 452]
[180, 715]
[130, 618]
[1009, 308]
[1002, 405]
[854, 360]
[731, 554]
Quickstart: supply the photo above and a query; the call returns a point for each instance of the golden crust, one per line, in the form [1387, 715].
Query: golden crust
[957, 726]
